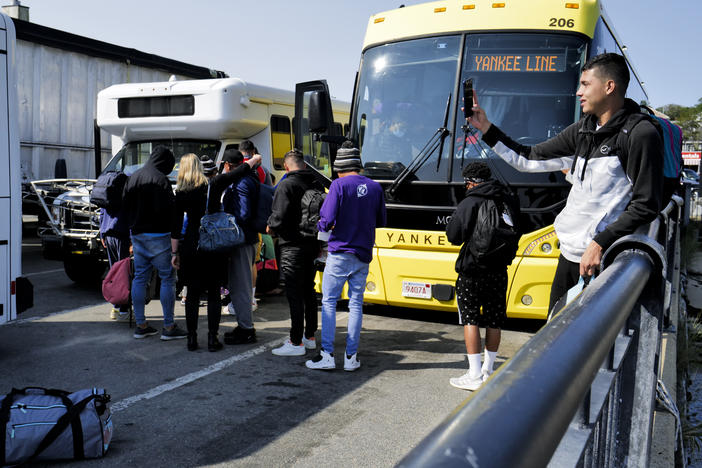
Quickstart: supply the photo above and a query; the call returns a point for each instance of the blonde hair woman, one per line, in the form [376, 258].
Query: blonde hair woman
[201, 271]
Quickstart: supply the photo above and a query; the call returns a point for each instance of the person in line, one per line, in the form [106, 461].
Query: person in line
[482, 280]
[114, 236]
[201, 271]
[611, 195]
[248, 149]
[353, 208]
[240, 200]
[150, 204]
[297, 253]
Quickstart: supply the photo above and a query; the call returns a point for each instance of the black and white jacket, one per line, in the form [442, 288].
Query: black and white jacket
[611, 195]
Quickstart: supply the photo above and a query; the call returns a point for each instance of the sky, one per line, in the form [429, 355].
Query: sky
[281, 42]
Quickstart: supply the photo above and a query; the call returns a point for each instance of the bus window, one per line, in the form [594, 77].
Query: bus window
[280, 139]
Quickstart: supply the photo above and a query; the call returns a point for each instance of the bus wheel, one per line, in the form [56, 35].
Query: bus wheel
[89, 271]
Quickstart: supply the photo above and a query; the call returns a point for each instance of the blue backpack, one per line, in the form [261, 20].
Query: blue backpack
[672, 136]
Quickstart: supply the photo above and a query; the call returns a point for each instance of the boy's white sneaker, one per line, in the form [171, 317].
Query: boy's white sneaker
[351, 363]
[310, 343]
[323, 360]
[467, 381]
[289, 349]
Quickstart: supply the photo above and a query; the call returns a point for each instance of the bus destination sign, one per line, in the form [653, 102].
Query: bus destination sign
[518, 62]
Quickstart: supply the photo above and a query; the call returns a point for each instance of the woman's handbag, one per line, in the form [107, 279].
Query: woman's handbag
[219, 232]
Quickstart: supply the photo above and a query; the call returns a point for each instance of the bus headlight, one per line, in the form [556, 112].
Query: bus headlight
[527, 300]
[370, 286]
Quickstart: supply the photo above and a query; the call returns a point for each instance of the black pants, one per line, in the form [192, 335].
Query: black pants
[202, 272]
[567, 276]
[297, 269]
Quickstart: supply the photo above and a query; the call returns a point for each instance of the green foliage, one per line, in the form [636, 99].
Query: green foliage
[688, 118]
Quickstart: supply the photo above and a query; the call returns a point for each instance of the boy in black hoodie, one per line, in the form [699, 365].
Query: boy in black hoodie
[297, 253]
[150, 206]
[482, 282]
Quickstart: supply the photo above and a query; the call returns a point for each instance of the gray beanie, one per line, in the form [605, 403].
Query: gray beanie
[208, 166]
[348, 160]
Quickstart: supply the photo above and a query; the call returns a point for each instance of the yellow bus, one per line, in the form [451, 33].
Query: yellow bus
[524, 58]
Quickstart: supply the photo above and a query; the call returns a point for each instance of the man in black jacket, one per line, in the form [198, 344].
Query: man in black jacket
[617, 182]
[482, 281]
[150, 206]
[297, 253]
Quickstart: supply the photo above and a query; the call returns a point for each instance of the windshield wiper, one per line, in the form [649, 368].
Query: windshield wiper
[436, 141]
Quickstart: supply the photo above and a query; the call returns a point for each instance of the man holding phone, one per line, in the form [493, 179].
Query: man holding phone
[614, 190]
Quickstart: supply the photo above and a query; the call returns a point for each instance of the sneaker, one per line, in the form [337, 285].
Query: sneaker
[289, 349]
[351, 363]
[310, 343]
[240, 336]
[485, 374]
[122, 316]
[254, 305]
[174, 333]
[144, 332]
[182, 301]
[467, 381]
[114, 313]
[323, 360]
[230, 309]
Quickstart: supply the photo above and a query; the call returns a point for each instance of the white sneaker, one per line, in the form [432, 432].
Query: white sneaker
[122, 317]
[485, 374]
[254, 306]
[289, 349]
[323, 360]
[351, 363]
[467, 381]
[310, 343]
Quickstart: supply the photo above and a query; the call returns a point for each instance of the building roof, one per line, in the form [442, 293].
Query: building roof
[36, 33]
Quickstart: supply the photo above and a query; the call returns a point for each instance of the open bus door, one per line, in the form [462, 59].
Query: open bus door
[316, 136]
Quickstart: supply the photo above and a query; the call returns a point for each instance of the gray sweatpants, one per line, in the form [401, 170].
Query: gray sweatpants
[240, 288]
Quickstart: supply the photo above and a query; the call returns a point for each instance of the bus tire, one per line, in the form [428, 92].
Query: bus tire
[88, 271]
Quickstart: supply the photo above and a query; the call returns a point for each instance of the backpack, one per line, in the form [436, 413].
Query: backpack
[493, 237]
[47, 424]
[116, 285]
[672, 137]
[107, 191]
[310, 204]
[264, 207]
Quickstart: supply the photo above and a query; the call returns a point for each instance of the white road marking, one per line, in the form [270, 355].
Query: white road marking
[186, 379]
[36, 273]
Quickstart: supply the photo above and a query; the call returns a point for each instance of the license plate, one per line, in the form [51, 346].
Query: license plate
[415, 289]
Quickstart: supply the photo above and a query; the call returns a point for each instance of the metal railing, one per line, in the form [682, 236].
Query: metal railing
[582, 391]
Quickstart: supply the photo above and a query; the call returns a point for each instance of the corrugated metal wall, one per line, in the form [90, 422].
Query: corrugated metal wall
[57, 92]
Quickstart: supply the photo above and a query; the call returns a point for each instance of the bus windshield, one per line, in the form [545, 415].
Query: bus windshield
[402, 93]
[525, 82]
[134, 154]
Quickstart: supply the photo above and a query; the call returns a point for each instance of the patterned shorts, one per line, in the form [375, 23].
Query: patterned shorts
[486, 289]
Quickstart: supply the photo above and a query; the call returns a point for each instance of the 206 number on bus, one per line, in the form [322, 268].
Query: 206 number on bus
[561, 23]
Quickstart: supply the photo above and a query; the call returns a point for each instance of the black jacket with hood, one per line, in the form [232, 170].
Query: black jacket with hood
[614, 191]
[148, 196]
[459, 229]
[286, 210]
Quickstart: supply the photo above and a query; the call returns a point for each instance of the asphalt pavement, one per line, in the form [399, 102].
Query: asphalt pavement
[241, 406]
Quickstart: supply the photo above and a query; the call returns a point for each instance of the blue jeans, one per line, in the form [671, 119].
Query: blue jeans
[153, 251]
[340, 268]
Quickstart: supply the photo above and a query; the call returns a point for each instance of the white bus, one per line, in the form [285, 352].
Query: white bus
[10, 181]
[204, 117]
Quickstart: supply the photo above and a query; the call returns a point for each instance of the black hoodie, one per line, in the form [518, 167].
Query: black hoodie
[286, 210]
[148, 196]
[459, 229]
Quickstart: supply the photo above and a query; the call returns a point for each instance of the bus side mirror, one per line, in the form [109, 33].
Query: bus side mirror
[318, 112]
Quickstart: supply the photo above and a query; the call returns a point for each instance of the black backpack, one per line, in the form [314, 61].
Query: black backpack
[107, 191]
[310, 203]
[493, 238]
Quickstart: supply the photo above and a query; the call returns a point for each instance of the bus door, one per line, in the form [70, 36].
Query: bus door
[315, 133]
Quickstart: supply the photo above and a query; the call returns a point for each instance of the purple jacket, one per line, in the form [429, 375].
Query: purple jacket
[353, 208]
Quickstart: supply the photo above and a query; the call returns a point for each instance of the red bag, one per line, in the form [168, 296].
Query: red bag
[116, 285]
